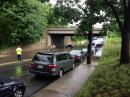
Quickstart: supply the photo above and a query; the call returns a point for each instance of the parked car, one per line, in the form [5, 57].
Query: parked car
[98, 41]
[78, 55]
[94, 38]
[53, 63]
[11, 87]
[69, 46]
[85, 51]
[93, 47]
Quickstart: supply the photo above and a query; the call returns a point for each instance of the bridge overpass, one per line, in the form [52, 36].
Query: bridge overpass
[63, 36]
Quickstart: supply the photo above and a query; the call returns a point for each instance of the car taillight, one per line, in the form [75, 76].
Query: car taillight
[77, 57]
[33, 65]
[52, 66]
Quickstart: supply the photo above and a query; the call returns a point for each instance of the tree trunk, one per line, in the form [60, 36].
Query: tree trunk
[125, 53]
[129, 47]
[125, 45]
[89, 48]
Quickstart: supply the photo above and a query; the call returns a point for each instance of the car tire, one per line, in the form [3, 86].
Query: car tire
[60, 73]
[18, 93]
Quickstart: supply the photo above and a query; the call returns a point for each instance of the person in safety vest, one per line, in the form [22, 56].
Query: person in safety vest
[19, 53]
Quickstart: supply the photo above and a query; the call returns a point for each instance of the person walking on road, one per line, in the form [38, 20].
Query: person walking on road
[19, 53]
[52, 48]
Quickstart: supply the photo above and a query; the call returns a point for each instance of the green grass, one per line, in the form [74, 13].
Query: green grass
[111, 51]
[109, 78]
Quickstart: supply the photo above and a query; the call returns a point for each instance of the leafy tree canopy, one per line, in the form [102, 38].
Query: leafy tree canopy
[25, 20]
[106, 11]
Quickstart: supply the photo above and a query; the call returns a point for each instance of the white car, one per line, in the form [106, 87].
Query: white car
[85, 50]
[99, 41]
[98, 53]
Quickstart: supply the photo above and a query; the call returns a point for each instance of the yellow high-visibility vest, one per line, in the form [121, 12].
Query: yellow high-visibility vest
[19, 51]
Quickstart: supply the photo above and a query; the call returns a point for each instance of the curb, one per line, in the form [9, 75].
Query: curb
[14, 62]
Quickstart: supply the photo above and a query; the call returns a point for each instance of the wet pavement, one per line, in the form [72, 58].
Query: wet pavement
[20, 71]
[66, 86]
[34, 84]
[69, 84]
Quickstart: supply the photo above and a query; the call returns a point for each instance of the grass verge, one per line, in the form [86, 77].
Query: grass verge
[109, 78]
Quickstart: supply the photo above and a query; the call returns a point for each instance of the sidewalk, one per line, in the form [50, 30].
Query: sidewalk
[69, 84]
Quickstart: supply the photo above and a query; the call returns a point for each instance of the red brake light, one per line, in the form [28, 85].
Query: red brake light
[52, 66]
[77, 56]
[33, 65]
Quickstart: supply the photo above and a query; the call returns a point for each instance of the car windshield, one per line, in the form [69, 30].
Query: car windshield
[43, 57]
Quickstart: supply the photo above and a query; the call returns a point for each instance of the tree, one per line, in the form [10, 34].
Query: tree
[123, 21]
[63, 15]
[89, 16]
[94, 11]
[27, 20]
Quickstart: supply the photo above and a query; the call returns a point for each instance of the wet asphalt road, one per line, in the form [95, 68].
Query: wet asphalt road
[21, 71]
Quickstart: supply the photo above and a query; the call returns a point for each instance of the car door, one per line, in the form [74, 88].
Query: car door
[61, 61]
[68, 61]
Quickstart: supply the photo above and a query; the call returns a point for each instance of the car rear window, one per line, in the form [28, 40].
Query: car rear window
[43, 57]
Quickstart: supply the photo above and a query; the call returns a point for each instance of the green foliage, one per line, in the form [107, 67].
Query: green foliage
[109, 79]
[79, 38]
[89, 13]
[61, 15]
[25, 20]
[44, 0]
[111, 50]
[111, 12]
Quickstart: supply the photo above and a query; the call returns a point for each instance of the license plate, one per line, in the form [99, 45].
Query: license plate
[40, 67]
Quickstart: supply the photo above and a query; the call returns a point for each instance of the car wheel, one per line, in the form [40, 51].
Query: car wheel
[60, 73]
[18, 93]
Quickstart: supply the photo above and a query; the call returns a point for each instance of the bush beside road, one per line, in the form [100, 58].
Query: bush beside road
[109, 78]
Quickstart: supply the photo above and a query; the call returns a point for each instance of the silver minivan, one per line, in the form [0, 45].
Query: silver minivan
[52, 63]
